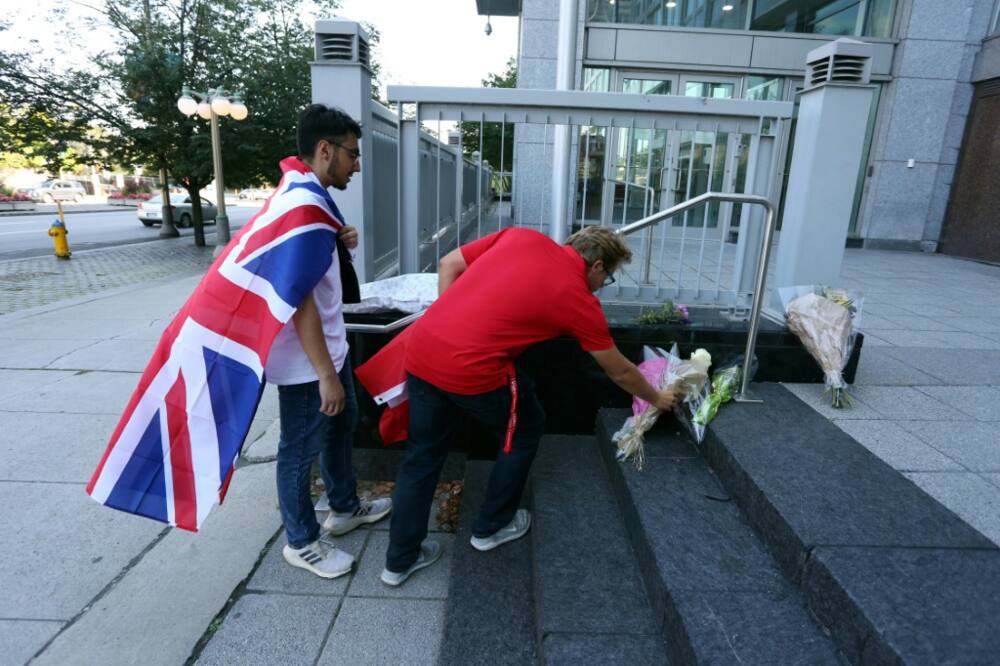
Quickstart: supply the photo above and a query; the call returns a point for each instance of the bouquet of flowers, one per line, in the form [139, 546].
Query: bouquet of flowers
[725, 383]
[663, 371]
[825, 320]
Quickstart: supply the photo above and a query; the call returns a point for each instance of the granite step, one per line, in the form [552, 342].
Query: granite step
[489, 615]
[590, 602]
[894, 575]
[720, 596]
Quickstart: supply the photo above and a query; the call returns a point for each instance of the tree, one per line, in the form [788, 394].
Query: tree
[261, 48]
[494, 135]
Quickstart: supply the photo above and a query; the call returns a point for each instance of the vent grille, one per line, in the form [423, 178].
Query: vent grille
[363, 52]
[838, 68]
[989, 88]
[336, 47]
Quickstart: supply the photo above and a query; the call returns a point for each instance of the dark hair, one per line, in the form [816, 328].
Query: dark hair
[318, 122]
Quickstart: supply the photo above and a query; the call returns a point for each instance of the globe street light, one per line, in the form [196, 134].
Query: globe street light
[216, 102]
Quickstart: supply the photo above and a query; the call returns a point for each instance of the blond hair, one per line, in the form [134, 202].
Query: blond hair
[601, 243]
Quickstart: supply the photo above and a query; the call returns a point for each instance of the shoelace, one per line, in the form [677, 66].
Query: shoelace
[364, 507]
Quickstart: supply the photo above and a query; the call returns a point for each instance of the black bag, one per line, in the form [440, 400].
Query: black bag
[348, 278]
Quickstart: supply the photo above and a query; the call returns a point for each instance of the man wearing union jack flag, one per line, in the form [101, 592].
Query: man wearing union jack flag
[270, 305]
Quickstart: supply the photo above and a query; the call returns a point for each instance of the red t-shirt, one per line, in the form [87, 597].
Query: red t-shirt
[520, 288]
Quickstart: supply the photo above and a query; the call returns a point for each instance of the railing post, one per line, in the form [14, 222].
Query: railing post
[759, 181]
[409, 193]
[562, 166]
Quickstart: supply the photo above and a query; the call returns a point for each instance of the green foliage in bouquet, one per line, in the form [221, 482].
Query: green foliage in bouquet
[725, 384]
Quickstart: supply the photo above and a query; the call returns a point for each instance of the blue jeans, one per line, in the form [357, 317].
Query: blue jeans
[432, 417]
[305, 434]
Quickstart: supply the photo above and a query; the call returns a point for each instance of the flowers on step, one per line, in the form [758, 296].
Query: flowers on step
[824, 320]
[663, 371]
[668, 313]
[725, 384]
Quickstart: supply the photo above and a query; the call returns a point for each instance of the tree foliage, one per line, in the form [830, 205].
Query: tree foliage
[495, 136]
[260, 48]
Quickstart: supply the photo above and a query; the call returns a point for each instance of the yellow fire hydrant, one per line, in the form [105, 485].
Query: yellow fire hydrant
[59, 233]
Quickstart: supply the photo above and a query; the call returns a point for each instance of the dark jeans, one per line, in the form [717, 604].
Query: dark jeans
[432, 419]
[305, 434]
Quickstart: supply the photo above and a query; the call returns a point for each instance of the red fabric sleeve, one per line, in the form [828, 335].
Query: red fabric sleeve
[590, 327]
[474, 250]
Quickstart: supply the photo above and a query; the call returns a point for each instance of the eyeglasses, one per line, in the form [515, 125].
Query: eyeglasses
[608, 281]
[353, 152]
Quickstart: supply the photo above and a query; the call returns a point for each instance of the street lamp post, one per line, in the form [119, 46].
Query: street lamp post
[216, 102]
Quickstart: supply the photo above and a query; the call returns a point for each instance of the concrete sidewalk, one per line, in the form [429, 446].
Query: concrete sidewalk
[86, 584]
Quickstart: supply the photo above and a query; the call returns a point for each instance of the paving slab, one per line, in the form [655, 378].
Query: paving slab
[114, 355]
[13, 382]
[429, 583]
[904, 402]
[982, 403]
[801, 482]
[971, 443]
[190, 576]
[35, 354]
[81, 393]
[894, 443]
[385, 631]
[879, 367]
[265, 446]
[276, 575]
[961, 367]
[60, 327]
[93, 544]
[908, 606]
[816, 396]
[266, 629]
[54, 448]
[21, 639]
[972, 498]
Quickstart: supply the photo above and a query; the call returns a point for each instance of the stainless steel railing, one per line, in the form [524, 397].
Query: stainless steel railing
[402, 322]
[762, 259]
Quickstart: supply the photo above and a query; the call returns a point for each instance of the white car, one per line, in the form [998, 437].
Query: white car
[151, 212]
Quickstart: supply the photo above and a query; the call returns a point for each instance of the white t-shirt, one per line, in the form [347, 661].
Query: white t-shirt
[288, 363]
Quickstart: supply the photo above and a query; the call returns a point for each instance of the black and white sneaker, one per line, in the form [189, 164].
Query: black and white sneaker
[368, 511]
[321, 559]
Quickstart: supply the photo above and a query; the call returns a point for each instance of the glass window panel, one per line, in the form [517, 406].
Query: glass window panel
[601, 11]
[764, 88]
[646, 87]
[708, 89]
[596, 79]
[726, 14]
[825, 17]
[879, 20]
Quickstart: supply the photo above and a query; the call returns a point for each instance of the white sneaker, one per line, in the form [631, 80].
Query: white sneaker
[515, 529]
[430, 552]
[321, 559]
[368, 511]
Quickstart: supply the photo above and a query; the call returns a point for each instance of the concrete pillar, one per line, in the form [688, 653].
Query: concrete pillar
[829, 140]
[562, 158]
[341, 77]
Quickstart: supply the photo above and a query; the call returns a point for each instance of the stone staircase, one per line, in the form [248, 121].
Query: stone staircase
[779, 540]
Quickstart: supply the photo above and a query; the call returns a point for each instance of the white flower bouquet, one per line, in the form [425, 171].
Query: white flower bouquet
[826, 322]
[663, 371]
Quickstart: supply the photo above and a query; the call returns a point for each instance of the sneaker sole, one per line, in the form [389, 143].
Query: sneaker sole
[321, 574]
[493, 544]
[414, 570]
[367, 520]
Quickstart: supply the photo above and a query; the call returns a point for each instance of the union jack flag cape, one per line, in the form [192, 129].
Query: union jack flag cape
[171, 456]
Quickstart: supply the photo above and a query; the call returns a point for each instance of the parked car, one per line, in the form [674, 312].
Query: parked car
[255, 193]
[151, 212]
[58, 190]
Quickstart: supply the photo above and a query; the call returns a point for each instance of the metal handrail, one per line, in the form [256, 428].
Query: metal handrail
[758, 291]
[402, 322]
[650, 195]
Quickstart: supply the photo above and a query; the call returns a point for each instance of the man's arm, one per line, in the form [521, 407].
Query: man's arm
[309, 327]
[451, 266]
[624, 373]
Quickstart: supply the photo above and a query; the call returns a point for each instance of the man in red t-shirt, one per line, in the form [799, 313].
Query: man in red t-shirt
[498, 296]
